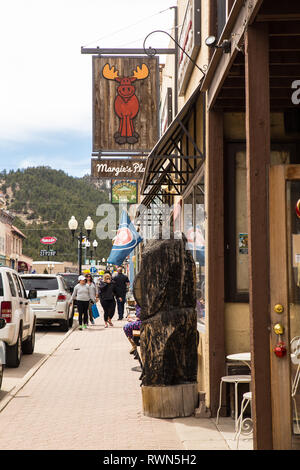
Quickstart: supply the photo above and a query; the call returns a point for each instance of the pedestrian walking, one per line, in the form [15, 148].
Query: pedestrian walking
[82, 294]
[122, 283]
[92, 286]
[107, 294]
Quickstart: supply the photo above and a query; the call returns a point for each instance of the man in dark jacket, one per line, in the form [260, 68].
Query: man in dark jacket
[121, 284]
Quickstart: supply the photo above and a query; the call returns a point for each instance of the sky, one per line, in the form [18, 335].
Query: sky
[46, 83]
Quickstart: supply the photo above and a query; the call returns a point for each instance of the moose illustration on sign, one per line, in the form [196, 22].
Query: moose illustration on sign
[126, 103]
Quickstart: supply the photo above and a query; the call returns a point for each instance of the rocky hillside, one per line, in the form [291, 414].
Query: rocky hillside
[43, 200]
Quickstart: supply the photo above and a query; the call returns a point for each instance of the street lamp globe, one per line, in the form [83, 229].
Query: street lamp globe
[87, 244]
[73, 224]
[88, 224]
[95, 244]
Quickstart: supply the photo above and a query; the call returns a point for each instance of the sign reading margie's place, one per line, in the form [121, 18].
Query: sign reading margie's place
[123, 169]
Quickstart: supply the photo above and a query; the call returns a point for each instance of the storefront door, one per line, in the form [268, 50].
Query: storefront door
[284, 206]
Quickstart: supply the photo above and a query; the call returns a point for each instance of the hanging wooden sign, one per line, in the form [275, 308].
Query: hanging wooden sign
[125, 103]
[118, 169]
[124, 191]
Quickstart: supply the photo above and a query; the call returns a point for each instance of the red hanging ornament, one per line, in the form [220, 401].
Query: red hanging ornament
[280, 349]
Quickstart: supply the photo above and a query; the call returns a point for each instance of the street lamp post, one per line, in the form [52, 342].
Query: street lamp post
[95, 244]
[73, 225]
[87, 247]
[50, 267]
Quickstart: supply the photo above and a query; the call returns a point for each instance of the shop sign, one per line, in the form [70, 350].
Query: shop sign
[122, 169]
[125, 103]
[48, 240]
[124, 191]
[190, 42]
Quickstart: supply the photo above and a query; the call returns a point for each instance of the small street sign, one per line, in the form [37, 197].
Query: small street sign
[93, 270]
[48, 253]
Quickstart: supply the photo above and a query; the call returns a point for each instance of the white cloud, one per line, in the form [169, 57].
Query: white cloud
[45, 80]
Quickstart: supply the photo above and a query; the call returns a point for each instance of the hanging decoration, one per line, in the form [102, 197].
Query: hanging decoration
[298, 208]
[280, 349]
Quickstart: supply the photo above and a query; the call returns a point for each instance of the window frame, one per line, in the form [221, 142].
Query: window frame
[19, 290]
[230, 238]
[11, 285]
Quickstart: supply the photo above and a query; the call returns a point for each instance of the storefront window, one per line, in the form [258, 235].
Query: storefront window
[242, 275]
[236, 219]
[194, 229]
[293, 229]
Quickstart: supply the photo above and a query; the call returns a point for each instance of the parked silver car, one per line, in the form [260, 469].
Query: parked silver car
[53, 301]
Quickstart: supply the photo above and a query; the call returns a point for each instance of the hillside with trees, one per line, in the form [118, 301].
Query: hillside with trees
[43, 200]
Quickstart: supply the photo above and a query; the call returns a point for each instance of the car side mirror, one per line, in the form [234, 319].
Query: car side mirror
[32, 294]
[2, 323]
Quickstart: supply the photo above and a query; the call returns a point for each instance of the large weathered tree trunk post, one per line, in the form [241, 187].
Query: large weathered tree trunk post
[165, 290]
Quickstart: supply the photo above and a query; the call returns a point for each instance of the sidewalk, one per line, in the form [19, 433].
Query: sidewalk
[86, 395]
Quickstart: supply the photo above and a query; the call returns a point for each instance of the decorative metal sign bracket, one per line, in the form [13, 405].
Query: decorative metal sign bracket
[152, 51]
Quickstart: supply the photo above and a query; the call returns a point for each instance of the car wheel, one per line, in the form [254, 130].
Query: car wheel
[64, 325]
[14, 353]
[28, 345]
[1, 374]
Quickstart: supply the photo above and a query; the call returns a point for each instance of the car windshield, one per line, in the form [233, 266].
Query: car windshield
[40, 283]
[1, 286]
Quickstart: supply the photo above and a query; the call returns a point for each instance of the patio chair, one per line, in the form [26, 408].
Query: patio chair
[247, 398]
[236, 380]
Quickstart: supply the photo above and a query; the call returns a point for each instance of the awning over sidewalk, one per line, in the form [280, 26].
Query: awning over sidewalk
[178, 154]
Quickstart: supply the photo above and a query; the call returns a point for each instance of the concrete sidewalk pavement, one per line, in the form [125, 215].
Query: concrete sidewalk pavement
[87, 395]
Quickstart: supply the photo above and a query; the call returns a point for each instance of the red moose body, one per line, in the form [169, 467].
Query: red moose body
[126, 103]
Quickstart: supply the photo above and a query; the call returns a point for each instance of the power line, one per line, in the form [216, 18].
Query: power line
[127, 27]
[142, 38]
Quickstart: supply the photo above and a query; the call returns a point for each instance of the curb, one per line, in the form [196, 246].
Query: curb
[32, 372]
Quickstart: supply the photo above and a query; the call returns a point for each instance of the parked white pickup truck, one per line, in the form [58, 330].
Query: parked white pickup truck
[19, 331]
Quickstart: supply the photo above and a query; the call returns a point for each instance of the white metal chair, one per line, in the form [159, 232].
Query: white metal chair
[295, 358]
[236, 380]
[247, 428]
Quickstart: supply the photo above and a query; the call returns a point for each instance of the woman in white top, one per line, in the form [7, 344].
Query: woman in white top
[83, 295]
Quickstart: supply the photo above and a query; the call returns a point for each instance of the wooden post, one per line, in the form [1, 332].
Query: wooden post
[215, 255]
[279, 290]
[258, 160]
[212, 8]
